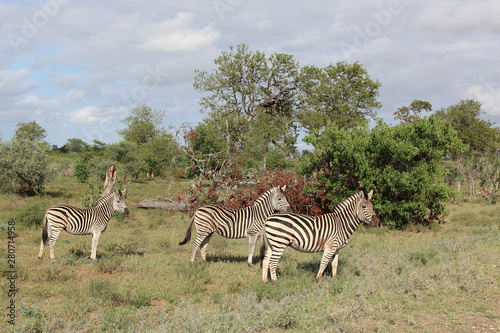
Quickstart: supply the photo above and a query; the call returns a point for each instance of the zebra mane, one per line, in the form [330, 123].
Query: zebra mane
[341, 205]
[104, 200]
[263, 197]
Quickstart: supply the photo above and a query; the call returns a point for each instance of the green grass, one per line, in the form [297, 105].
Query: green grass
[440, 279]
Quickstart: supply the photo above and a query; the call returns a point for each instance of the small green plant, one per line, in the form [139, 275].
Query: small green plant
[141, 299]
[92, 194]
[110, 264]
[104, 290]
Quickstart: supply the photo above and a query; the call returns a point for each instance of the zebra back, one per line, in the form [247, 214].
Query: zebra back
[81, 221]
[239, 223]
[309, 234]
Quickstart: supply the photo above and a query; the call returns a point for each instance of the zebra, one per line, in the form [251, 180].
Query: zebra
[79, 221]
[235, 223]
[328, 232]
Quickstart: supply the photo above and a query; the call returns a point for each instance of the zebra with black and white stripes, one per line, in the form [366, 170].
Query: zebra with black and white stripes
[328, 232]
[235, 223]
[78, 221]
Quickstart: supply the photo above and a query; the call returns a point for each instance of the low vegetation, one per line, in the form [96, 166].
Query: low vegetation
[440, 278]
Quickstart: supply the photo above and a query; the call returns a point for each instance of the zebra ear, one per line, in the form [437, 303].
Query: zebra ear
[370, 194]
[283, 188]
[123, 192]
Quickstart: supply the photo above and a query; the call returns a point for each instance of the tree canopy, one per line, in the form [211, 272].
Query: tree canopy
[143, 124]
[31, 131]
[341, 95]
[244, 84]
[465, 118]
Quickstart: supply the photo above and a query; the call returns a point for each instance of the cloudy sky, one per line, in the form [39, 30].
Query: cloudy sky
[78, 67]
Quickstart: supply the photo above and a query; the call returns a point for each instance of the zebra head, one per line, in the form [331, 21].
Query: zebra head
[365, 210]
[278, 199]
[119, 202]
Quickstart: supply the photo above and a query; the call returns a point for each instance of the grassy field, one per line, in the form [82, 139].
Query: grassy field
[443, 279]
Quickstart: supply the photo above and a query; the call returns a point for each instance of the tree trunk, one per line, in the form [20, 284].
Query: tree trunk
[110, 180]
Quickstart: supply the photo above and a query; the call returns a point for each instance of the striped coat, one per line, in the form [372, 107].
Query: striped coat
[92, 221]
[235, 223]
[328, 232]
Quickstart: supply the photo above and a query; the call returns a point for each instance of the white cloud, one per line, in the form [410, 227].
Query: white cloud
[488, 93]
[11, 81]
[39, 102]
[75, 95]
[178, 35]
[89, 115]
[461, 14]
[65, 80]
[460, 46]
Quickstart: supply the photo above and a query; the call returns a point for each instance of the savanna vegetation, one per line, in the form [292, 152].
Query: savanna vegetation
[432, 266]
[440, 278]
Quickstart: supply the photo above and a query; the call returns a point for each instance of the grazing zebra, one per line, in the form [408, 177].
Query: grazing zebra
[328, 232]
[235, 223]
[79, 221]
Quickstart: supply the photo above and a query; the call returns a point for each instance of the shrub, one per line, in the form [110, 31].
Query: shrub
[24, 166]
[401, 163]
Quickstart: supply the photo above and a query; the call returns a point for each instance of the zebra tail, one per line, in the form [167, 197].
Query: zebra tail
[45, 234]
[188, 232]
[262, 248]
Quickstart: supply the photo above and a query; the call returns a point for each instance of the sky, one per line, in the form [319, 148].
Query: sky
[78, 68]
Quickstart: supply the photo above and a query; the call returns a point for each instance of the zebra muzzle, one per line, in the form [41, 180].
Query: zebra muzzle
[125, 212]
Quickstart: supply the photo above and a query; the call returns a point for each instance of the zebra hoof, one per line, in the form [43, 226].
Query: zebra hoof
[250, 264]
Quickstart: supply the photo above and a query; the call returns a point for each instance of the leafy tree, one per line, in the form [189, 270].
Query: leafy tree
[412, 113]
[128, 154]
[343, 95]
[143, 125]
[402, 163]
[31, 131]
[244, 85]
[158, 154]
[478, 133]
[263, 140]
[75, 145]
[24, 164]
[204, 138]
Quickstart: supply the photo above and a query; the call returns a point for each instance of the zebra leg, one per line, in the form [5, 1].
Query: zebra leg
[54, 234]
[265, 265]
[95, 241]
[203, 248]
[40, 254]
[252, 240]
[335, 263]
[327, 256]
[273, 260]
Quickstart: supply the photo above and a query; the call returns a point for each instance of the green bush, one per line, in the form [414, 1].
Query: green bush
[24, 166]
[401, 163]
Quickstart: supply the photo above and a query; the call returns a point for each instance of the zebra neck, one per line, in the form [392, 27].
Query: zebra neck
[345, 213]
[263, 206]
[104, 207]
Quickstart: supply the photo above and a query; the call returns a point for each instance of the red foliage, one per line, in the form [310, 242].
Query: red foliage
[245, 195]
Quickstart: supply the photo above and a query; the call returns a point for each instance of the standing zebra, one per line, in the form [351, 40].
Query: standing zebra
[235, 223]
[328, 232]
[79, 221]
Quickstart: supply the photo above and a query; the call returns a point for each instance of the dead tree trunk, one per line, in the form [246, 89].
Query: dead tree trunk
[110, 180]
